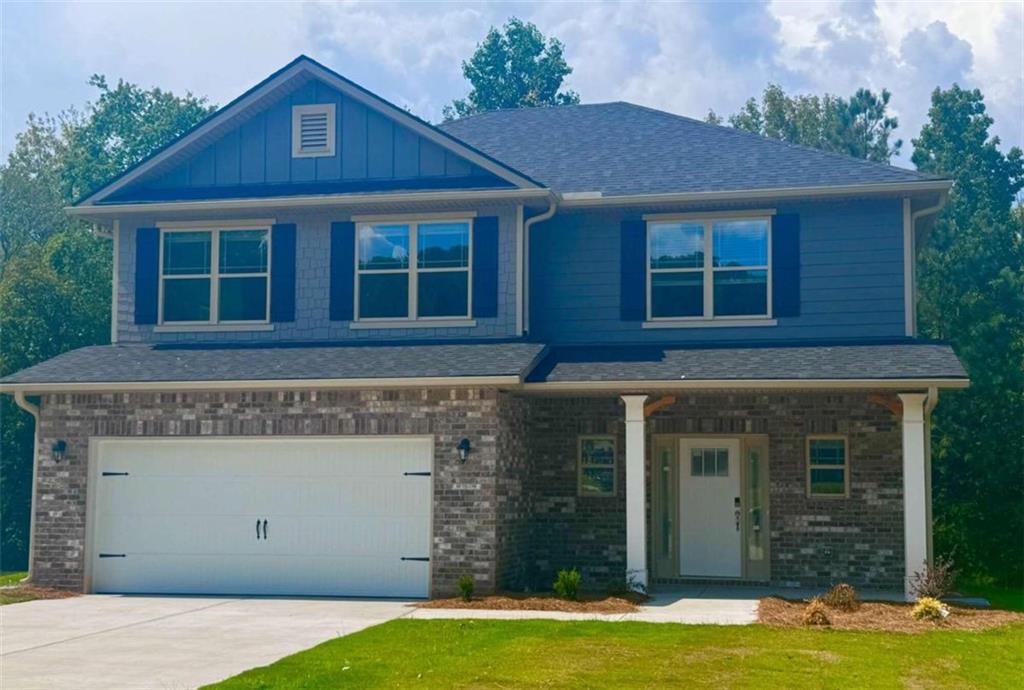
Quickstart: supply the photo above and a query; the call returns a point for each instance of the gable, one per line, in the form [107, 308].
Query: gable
[255, 158]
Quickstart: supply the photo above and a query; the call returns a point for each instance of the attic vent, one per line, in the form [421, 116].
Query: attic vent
[313, 130]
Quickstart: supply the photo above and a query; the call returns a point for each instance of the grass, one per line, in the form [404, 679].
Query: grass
[467, 653]
[1009, 599]
[11, 578]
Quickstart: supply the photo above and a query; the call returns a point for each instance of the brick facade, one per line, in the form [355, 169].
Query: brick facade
[511, 516]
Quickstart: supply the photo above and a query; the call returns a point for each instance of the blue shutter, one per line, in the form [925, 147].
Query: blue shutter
[343, 266]
[147, 274]
[485, 267]
[282, 272]
[786, 265]
[633, 276]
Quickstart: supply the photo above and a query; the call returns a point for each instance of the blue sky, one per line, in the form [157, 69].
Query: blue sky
[684, 57]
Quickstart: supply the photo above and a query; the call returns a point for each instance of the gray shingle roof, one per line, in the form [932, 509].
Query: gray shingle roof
[156, 363]
[621, 148]
[905, 360]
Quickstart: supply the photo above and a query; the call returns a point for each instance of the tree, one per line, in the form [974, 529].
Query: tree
[514, 68]
[54, 273]
[972, 294]
[858, 126]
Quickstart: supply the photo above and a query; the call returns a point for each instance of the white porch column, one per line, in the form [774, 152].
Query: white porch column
[636, 491]
[915, 493]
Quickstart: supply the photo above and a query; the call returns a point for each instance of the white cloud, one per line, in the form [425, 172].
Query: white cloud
[685, 57]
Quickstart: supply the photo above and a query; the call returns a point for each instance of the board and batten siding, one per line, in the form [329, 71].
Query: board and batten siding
[369, 146]
[312, 291]
[851, 255]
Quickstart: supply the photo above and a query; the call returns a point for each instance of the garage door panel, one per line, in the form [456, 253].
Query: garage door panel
[341, 513]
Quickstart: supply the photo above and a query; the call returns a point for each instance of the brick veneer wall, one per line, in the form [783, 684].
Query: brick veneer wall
[466, 533]
[813, 541]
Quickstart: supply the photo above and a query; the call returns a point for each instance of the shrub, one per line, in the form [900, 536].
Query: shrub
[935, 581]
[625, 586]
[816, 613]
[567, 584]
[842, 597]
[466, 586]
[929, 609]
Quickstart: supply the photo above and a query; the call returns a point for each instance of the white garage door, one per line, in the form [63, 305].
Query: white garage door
[263, 516]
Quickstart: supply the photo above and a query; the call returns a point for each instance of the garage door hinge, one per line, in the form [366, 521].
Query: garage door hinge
[416, 474]
[112, 555]
[414, 558]
[115, 474]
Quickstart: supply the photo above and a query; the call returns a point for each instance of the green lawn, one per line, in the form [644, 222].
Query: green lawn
[463, 653]
[11, 578]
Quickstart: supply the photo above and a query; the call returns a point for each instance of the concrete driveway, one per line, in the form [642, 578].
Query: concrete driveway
[172, 643]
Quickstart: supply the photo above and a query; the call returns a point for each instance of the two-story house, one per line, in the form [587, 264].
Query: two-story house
[357, 354]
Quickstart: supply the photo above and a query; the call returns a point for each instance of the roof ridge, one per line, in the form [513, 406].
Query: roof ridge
[780, 142]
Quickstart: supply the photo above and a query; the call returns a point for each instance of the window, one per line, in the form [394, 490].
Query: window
[213, 276]
[709, 462]
[391, 285]
[313, 130]
[827, 467]
[708, 269]
[597, 466]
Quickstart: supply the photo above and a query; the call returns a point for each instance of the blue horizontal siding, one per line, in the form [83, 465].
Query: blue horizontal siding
[851, 265]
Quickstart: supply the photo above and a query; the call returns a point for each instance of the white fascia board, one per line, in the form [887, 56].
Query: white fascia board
[269, 384]
[739, 384]
[572, 201]
[312, 201]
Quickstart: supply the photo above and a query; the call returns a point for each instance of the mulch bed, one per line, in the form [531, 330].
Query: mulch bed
[19, 593]
[540, 602]
[884, 616]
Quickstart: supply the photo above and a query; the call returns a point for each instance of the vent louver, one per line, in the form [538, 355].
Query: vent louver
[313, 130]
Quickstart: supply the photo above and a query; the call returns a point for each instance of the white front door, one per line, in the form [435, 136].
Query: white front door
[709, 494]
[284, 516]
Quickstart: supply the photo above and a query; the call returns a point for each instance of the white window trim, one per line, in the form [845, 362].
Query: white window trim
[580, 465]
[845, 466]
[297, 112]
[413, 271]
[708, 271]
[214, 275]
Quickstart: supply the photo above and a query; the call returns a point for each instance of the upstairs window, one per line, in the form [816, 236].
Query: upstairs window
[413, 271]
[313, 130]
[213, 276]
[708, 269]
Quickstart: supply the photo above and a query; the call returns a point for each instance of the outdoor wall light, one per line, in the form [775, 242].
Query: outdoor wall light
[59, 448]
[463, 449]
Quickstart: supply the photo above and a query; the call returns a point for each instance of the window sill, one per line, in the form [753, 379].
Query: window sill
[438, 323]
[213, 328]
[710, 323]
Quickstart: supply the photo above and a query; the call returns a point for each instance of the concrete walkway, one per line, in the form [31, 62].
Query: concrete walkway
[127, 642]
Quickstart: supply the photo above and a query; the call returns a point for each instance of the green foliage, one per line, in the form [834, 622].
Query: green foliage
[54, 273]
[567, 584]
[929, 609]
[842, 597]
[858, 126]
[514, 68]
[466, 587]
[971, 278]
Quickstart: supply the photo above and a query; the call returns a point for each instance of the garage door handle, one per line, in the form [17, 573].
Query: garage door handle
[257, 529]
[264, 529]
[414, 558]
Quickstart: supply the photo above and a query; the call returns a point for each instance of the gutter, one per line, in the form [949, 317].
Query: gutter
[23, 403]
[546, 215]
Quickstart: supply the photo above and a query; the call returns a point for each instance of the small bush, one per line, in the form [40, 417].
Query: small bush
[625, 586]
[842, 597]
[466, 586]
[816, 613]
[936, 581]
[567, 584]
[929, 609]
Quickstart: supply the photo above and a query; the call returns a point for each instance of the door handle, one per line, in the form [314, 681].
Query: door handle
[257, 529]
[737, 522]
[264, 529]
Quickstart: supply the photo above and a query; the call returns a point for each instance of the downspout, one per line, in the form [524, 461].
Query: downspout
[929, 405]
[920, 213]
[23, 403]
[552, 207]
